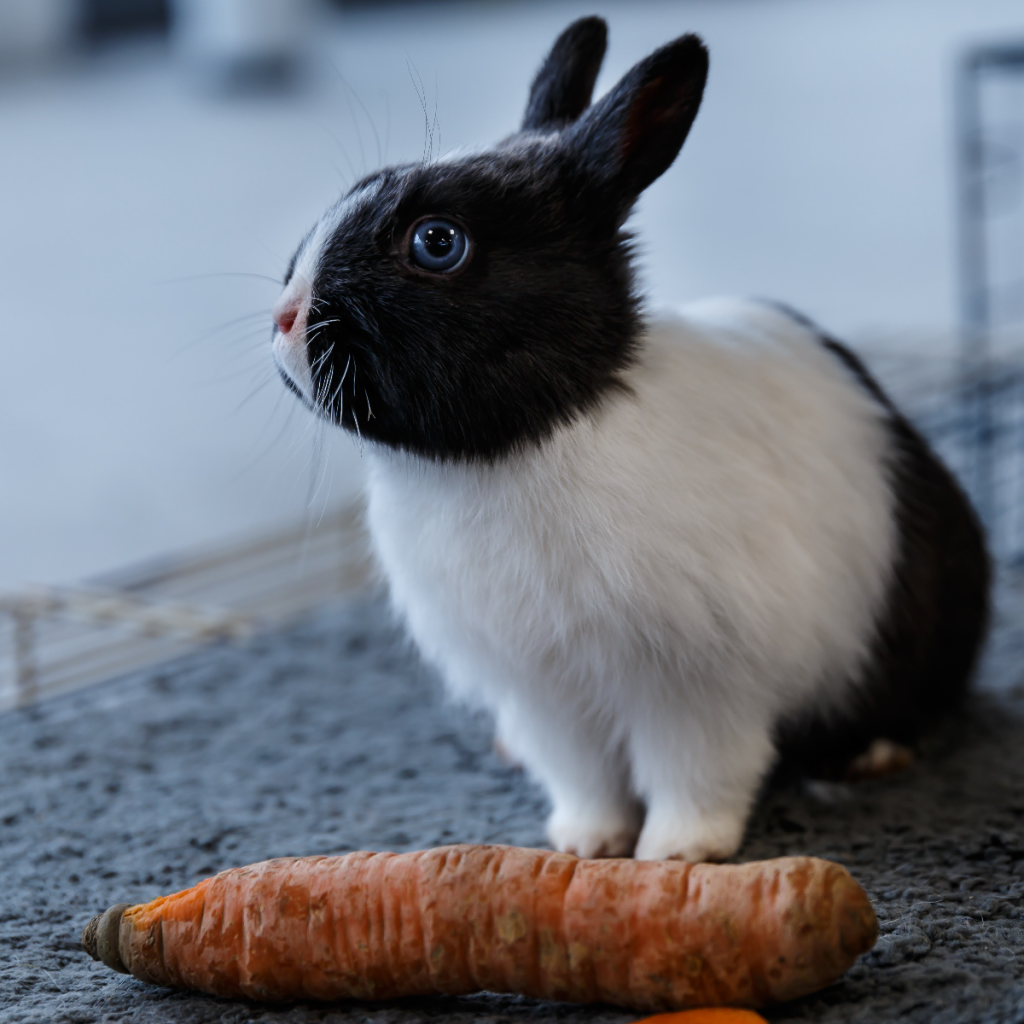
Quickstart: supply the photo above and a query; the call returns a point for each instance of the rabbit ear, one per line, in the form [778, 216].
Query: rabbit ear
[561, 91]
[632, 135]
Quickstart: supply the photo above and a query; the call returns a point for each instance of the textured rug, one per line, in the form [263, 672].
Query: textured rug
[332, 737]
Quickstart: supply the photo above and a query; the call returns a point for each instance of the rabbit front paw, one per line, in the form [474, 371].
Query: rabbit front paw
[594, 834]
[694, 838]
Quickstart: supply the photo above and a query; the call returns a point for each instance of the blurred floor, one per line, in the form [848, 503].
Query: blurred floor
[819, 172]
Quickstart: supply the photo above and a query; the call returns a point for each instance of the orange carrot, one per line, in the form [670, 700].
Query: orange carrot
[713, 1015]
[461, 919]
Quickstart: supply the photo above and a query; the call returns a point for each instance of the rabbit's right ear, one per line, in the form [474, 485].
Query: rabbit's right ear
[633, 133]
[561, 91]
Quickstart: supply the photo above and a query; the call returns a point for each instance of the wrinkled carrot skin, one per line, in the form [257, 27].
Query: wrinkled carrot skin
[462, 919]
[715, 1015]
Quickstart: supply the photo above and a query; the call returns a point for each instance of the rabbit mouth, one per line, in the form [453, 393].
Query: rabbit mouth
[293, 364]
[315, 348]
[308, 354]
[319, 386]
[290, 338]
[331, 370]
[293, 387]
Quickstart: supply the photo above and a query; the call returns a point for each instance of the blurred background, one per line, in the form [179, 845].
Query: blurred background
[160, 160]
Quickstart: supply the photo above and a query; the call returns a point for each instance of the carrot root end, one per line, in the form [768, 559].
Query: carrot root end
[100, 937]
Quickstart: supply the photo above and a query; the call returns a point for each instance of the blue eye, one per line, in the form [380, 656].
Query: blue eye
[438, 245]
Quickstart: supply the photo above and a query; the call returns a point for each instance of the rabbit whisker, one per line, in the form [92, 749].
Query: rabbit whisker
[321, 402]
[319, 361]
[355, 420]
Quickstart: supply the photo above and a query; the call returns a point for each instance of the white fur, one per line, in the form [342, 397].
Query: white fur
[639, 599]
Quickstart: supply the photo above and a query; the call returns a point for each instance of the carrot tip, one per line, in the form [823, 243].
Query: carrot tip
[100, 937]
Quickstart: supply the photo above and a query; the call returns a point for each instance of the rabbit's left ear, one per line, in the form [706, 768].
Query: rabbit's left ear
[561, 91]
[631, 136]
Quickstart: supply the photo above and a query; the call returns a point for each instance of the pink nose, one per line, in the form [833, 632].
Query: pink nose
[285, 314]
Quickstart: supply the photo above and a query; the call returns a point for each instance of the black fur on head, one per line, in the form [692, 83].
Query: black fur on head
[541, 317]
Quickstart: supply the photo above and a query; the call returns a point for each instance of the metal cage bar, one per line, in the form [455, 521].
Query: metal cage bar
[987, 424]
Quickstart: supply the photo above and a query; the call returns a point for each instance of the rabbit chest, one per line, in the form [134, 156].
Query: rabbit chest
[726, 518]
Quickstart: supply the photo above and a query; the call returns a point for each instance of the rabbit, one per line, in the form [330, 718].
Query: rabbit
[666, 553]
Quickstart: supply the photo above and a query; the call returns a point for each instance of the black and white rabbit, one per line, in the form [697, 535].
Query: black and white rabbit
[661, 552]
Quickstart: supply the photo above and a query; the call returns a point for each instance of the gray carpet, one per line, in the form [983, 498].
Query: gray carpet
[331, 737]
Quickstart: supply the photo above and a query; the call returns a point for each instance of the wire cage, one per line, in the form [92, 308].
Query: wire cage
[54, 639]
[981, 431]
